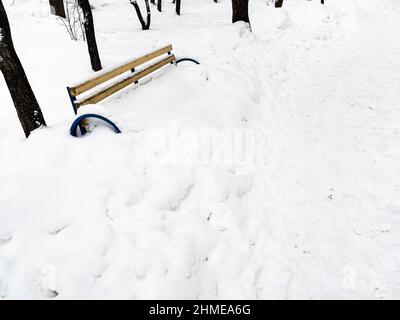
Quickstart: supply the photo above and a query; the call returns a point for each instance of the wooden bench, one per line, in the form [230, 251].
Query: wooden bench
[87, 93]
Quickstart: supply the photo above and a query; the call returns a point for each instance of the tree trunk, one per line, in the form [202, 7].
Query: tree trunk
[178, 7]
[24, 99]
[240, 11]
[90, 34]
[145, 24]
[278, 3]
[159, 5]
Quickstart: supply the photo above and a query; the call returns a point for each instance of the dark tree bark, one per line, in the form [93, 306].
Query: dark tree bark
[24, 99]
[159, 5]
[57, 8]
[278, 3]
[145, 24]
[178, 7]
[90, 35]
[240, 11]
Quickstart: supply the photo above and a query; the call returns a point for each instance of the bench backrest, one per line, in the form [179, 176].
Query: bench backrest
[104, 76]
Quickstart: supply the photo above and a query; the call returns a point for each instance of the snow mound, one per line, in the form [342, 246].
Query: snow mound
[269, 171]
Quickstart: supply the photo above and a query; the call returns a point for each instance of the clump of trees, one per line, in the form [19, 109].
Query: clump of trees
[79, 19]
[25, 102]
[146, 23]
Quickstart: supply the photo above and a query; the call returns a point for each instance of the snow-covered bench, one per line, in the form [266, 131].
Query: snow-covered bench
[88, 92]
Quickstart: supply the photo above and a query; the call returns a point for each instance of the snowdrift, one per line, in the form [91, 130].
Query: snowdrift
[222, 184]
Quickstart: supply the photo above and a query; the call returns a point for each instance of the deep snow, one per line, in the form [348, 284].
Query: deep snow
[309, 209]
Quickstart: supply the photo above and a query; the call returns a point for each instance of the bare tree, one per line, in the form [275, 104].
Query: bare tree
[145, 24]
[24, 99]
[73, 21]
[240, 11]
[90, 34]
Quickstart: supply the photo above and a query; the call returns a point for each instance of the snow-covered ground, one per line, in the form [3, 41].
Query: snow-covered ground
[307, 206]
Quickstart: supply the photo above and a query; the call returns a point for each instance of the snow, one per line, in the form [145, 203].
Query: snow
[269, 171]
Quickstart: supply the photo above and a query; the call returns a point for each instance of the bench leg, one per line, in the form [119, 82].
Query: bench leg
[77, 122]
[73, 100]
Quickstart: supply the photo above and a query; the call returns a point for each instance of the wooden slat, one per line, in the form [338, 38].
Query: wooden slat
[97, 97]
[90, 84]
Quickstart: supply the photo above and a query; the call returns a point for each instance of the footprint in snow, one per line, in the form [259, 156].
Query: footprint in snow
[6, 240]
[59, 229]
[3, 290]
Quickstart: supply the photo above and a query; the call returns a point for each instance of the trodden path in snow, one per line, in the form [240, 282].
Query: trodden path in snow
[331, 191]
[319, 218]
